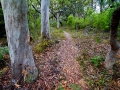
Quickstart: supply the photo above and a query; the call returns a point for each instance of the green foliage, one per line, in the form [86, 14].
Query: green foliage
[34, 21]
[102, 80]
[28, 78]
[89, 11]
[98, 39]
[3, 51]
[70, 20]
[96, 60]
[74, 21]
[53, 23]
[60, 87]
[42, 45]
[100, 21]
[35, 26]
[74, 87]
[1, 56]
[57, 34]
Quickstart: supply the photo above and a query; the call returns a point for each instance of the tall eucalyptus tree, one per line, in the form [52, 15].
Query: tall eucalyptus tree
[16, 25]
[45, 27]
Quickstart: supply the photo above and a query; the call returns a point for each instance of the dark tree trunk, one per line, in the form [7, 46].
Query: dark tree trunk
[111, 55]
[2, 25]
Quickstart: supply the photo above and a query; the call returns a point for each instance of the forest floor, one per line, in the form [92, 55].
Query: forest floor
[60, 70]
[75, 63]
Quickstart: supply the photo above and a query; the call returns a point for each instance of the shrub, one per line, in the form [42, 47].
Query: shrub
[75, 22]
[3, 52]
[39, 48]
[70, 20]
[53, 23]
[57, 34]
[98, 39]
[96, 60]
[100, 21]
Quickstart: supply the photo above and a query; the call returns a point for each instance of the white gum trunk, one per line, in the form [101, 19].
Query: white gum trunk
[58, 20]
[45, 27]
[16, 25]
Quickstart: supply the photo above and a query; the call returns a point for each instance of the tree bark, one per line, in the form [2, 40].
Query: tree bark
[111, 55]
[45, 27]
[58, 20]
[16, 25]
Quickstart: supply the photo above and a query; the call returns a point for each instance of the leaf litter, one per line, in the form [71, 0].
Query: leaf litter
[58, 66]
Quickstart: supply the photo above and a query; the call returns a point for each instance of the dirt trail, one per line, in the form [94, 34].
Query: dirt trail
[70, 66]
[59, 66]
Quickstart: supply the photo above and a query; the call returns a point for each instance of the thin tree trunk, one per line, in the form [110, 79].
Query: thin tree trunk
[45, 27]
[58, 20]
[16, 24]
[111, 55]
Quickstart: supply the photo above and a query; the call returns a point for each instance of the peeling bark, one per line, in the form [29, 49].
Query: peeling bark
[111, 55]
[16, 25]
[45, 27]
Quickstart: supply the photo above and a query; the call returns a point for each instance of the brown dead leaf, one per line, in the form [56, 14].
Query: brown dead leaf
[17, 86]
[25, 72]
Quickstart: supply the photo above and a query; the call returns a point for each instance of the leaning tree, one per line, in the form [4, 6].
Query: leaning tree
[111, 55]
[16, 25]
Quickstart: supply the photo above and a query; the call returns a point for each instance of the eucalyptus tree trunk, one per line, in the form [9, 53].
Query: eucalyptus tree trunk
[45, 27]
[111, 55]
[16, 25]
[58, 20]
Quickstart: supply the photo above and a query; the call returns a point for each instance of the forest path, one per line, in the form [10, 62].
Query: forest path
[59, 66]
[68, 53]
